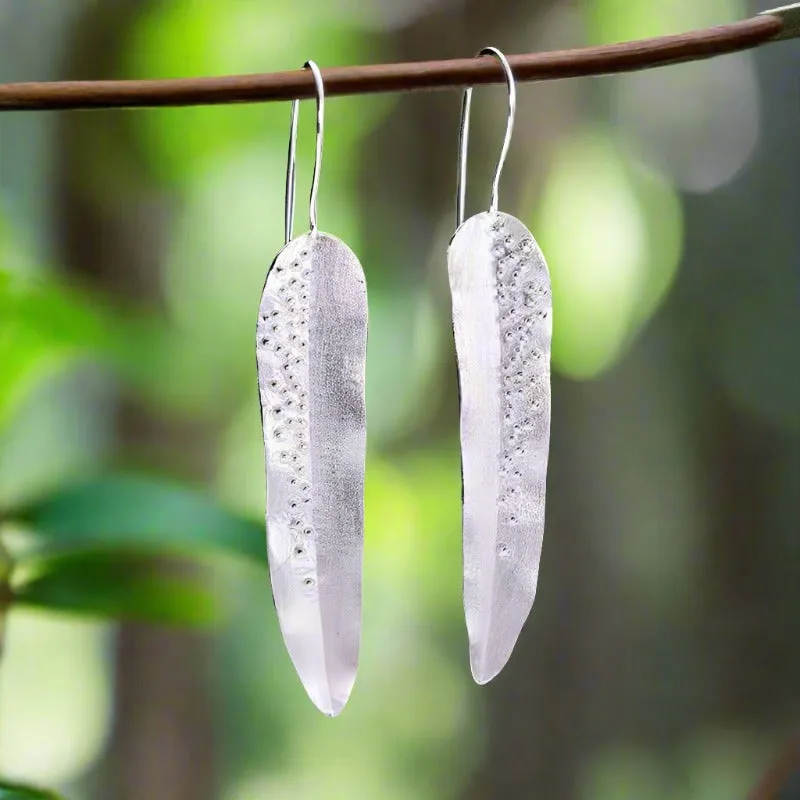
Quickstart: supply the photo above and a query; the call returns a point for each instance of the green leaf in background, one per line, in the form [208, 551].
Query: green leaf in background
[143, 514]
[12, 791]
[42, 327]
[46, 327]
[117, 585]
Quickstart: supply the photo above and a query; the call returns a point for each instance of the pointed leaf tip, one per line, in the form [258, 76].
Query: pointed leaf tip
[117, 585]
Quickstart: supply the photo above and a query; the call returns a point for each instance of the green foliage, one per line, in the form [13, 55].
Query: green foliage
[608, 281]
[146, 514]
[46, 327]
[117, 585]
[617, 20]
[42, 328]
[181, 36]
[13, 791]
[97, 541]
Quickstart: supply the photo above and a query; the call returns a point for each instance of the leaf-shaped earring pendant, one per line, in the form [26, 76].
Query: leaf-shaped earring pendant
[311, 353]
[502, 320]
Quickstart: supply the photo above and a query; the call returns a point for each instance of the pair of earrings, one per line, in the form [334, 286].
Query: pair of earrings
[311, 354]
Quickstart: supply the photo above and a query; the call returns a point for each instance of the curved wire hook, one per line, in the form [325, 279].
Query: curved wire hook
[291, 170]
[463, 137]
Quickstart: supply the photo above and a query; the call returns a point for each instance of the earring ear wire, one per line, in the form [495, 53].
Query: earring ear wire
[291, 168]
[463, 137]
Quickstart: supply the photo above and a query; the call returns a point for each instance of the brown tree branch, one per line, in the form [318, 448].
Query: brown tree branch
[602, 60]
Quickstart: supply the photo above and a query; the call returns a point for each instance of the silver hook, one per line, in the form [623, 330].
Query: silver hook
[463, 137]
[291, 178]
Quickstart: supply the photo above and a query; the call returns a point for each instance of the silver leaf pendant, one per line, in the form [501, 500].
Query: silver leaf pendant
[502, 320]
[311, 351]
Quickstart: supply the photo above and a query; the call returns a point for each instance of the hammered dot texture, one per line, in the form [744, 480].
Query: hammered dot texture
[502, 321]
[311, 350]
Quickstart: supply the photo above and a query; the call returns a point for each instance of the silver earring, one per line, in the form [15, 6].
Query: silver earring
[502, 320]
[311, 354]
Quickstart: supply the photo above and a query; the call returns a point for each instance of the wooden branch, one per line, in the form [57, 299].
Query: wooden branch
[604, 60]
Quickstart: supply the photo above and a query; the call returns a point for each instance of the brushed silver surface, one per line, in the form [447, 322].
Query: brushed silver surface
[502, 320]
[311, 352]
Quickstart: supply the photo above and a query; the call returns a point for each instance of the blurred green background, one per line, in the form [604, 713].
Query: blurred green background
[662, 657]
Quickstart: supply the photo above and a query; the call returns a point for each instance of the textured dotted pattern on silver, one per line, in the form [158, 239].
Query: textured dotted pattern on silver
[311, 353]
[523, 308]
[282, 348]
[502, 320]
